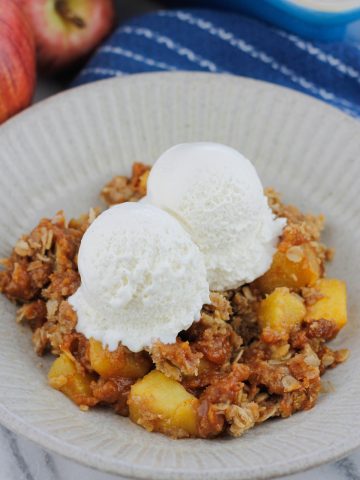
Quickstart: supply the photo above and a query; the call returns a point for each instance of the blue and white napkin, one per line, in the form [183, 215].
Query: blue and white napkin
[218, 42]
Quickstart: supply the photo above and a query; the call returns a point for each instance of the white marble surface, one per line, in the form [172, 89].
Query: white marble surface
[21, 459]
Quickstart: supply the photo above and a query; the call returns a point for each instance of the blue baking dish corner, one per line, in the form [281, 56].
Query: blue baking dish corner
[307, 22]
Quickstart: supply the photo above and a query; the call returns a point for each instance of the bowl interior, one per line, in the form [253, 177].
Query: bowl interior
[60, 153]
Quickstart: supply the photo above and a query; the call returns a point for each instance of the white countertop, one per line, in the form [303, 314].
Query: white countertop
[21, 459]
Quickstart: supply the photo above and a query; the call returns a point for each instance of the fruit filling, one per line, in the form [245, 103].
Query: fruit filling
[256, 351]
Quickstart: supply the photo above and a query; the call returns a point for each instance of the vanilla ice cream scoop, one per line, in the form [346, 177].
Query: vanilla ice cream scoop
[142, 278]
[216, 194]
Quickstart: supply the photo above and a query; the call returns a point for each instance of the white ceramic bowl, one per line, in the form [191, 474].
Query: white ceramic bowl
[58, 154]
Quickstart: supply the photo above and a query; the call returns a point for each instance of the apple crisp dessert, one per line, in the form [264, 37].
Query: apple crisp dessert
[257, 352]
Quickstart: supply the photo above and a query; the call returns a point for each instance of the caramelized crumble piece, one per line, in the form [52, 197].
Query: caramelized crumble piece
[114, 392]
[84, 221]
[217, 342]
[208, 373]
[212, 335]
[295, 381]
[310, 295]
[50, 335]
[244, 320]
[41, 273]
[124, 189]
[311, 225]
[33, 313]
[218, 309]
[224, 391]
[301, 228]
[62, 285]
[23, 280]
[138, 181]
[175, 360]
[78, 346]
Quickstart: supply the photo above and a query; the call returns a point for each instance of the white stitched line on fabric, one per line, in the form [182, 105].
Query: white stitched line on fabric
[101, 71]
[353, 112]
[171, 45]
[257, 54]
[321, 55]
[136, 56]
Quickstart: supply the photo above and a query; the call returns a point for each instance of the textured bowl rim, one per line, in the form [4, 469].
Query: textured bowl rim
[50, 442]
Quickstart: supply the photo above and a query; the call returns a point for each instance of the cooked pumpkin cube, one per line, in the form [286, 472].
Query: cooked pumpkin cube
[120, 363]
[161, 404]
[297, 267]
[281, 311]
[332, 306]
[74, 383]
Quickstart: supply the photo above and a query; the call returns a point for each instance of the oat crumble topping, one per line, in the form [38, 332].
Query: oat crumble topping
[238, 372]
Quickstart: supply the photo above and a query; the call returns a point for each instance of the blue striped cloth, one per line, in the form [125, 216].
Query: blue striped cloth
[214, 41]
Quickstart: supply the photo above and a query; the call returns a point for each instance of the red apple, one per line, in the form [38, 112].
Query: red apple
[17, 60]
[67, 30]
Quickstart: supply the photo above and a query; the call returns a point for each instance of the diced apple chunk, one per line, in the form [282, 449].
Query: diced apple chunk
[120, 363]
[75, 384]
[332, 306]
[298, 267]
[161, 404]
[281, 311]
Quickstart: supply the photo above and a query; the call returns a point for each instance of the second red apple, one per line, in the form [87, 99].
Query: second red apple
[67, 30]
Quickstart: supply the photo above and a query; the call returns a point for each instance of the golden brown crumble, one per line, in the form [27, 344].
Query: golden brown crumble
[123, 189]
[176, 360]
[239, 372]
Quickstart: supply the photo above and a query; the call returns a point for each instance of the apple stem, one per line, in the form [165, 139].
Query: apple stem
[63, 9]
